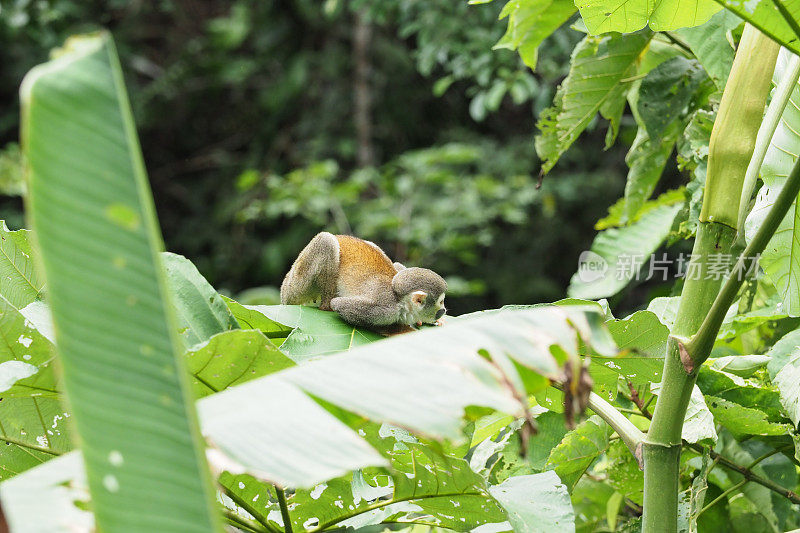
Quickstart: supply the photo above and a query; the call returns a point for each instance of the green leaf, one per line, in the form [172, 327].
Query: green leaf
[666, 92]
[627, 16]
[788, 382]
[200, 310]
[619, 252]
[33, 425]
[249, 317]
[743, 421]
[579, 449]
[315, 333]
[782, 351]
[698, 423]
[781, 258]
[740, 365]
[745, 392]
[764, 15]
[536, 503]
[233, 357]
[90, 207]
[530, 22]
[623, 472]
[19, 283]
[646, 159]
[598, 72]
[711, 46]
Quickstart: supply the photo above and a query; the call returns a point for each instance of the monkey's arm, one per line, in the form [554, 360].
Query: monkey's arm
[365, 312]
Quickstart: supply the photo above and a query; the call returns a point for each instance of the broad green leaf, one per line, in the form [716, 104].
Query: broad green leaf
[743, 421]
[782, 351]
[624, 473]
[621, 252]
[249, 317]
[441, 490]
[530, 22]
[642, 341]
[781, 258]
[579, 449]
[665, 93]
[641, 333]
[711, 46]
[788, 382]
[740, 365]
[626, 16]
[536, 503]
[201, 311]
[646, 159]
[599, 72]
[33, 426]
[747, 392]
[698, 423]
[233, 357]
[764, 15]
[316, 333]
[19, 283]
[91, 209]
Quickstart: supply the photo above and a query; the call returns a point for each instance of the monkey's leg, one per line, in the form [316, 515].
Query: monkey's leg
[365, 312]
[313, 273]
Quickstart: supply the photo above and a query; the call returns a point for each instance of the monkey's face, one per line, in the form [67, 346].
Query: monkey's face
[426, 308]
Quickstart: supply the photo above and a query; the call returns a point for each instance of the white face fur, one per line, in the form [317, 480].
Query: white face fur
[416, 310]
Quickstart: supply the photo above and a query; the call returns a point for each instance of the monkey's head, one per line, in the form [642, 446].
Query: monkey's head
[421, 295]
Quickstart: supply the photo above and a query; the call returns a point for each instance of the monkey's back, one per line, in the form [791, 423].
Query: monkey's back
[362, 265]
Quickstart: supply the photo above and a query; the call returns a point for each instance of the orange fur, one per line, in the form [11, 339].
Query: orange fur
[361, 263]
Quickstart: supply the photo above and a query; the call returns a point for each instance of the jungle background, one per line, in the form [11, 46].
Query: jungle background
[263, 122]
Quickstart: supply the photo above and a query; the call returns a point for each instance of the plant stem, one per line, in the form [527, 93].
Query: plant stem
[733, 137]
[771, 120]
[750, 475]
[241, 523]
[244, 504]
[287, 520]
[29, 446]
[722, 496]
[629, 433]
[700, 345]
[730, 149]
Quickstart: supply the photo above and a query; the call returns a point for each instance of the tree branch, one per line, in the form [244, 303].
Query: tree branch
[748, 474]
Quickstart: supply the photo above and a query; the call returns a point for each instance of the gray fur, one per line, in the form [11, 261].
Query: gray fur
[366, 312]
[313, 274]
[413, 279]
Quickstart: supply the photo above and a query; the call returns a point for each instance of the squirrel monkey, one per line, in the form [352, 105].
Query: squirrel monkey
[357, 279]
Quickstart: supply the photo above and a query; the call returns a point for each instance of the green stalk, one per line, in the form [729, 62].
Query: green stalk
[733, 137]
[287, 520]
[768, 126]
[629, 433]
[730, 150]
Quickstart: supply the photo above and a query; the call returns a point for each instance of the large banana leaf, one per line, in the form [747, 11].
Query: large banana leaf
[91, 208]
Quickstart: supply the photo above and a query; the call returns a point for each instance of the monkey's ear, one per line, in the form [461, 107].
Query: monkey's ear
[399, 266]
[419, 297]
